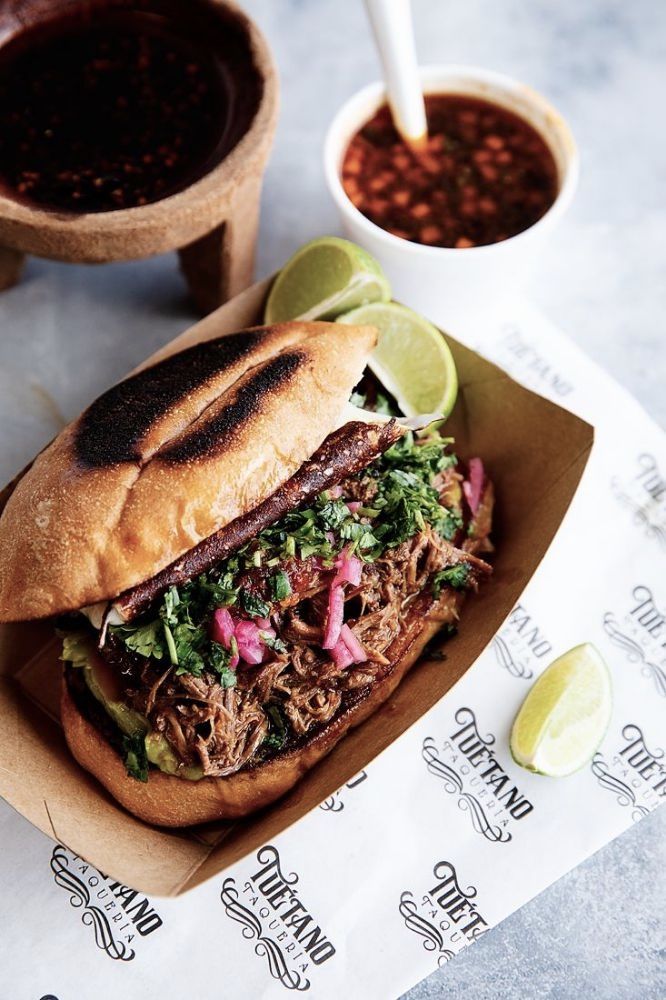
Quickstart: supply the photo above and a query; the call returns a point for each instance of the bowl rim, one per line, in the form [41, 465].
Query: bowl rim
[357, 109]
[201, 198]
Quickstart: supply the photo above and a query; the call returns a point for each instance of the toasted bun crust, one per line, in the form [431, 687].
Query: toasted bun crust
[169, 456]
[165, 800]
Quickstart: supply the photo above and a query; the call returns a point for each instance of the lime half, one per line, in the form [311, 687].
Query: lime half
[412, 359]
[565, 716]
[324, 279]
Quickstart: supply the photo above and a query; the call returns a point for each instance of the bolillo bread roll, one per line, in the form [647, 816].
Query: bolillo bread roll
[273, 566]
[167, 457]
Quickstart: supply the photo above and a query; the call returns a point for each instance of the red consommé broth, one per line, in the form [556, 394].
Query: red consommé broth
[484, 175]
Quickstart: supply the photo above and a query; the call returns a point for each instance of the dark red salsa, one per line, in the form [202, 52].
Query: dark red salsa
[484, 175]
[109, 108]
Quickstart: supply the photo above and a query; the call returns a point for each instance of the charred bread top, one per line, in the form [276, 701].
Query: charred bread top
[169, 456]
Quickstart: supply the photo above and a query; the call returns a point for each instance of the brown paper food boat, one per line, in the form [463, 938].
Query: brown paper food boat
[535, 453]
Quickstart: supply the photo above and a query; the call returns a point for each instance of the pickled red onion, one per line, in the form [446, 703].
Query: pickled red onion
[222, 627]
[341, 656]
[247, 634]
[473, 488]
[334, 615]
[251, 648]
[353, 645]
[348, 568]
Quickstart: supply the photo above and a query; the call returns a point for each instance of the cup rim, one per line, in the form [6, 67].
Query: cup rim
[355, 111]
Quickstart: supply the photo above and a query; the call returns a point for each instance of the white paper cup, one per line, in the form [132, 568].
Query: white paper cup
[452, 286]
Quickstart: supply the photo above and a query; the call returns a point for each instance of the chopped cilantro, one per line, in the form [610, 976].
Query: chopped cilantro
[453, 576]
[220, 664]
[332, 513]
[275, 644]
[195, 651]
[146, 640]
[280, 586]
[180, 631]
[426, 458]
[171, 644]
[136, 761]
[170, 602]
[254, 605]
[220, 591]
[361, 538]
[406, 501]
[277, 733]
[401, 503]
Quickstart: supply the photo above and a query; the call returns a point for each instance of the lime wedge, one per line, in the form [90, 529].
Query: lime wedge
[565, 716]
[412, 359]
[324, 279]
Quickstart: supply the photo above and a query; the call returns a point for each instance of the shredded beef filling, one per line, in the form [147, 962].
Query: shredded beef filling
[298, 687]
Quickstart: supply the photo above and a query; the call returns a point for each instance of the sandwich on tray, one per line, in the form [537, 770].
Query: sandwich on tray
[241, 566]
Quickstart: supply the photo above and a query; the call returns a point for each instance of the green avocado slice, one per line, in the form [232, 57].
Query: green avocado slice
[161, 755]
[78, 651]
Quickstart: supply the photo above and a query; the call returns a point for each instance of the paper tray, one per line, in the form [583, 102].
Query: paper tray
[535, 453]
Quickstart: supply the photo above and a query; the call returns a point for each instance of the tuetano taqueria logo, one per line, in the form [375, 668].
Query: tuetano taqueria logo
[466, 764]
[272, 915]
[119, 917]
[446, 916]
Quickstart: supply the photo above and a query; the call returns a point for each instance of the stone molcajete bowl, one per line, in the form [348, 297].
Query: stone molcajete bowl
[212, 222]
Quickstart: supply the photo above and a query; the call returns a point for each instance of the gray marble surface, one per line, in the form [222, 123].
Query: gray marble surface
[67, 332]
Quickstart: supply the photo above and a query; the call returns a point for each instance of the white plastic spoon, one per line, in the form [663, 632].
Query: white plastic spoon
[391, 22]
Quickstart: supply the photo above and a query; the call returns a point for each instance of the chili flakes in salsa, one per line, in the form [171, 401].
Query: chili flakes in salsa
[484, 175]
